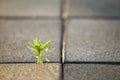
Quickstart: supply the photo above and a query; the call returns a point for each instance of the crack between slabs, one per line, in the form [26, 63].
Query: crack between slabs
[64, 17]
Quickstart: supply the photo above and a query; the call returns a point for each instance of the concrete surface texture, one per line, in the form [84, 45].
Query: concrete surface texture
[91, 72]
[94, 8]
[93, 40]
[93, 37]
[15, 35]
[30, 8]
[29, 72]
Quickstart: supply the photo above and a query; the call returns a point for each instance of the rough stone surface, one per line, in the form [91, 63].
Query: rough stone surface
[94, 8]
[93, 40]
[30, 7]
[15, 35]
[29, 72]
[91, 72]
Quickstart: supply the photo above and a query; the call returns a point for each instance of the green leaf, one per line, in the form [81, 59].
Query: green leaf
[31, 45]
[36, 53]
[30, 48]
[46, 59]
[47, 50]
[37, 42]
[45, 44]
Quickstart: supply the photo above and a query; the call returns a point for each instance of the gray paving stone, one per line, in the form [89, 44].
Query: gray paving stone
[30, 7]
[15, 35]
[29, 72]
[93, 40]
[94, 8]
[91, 72]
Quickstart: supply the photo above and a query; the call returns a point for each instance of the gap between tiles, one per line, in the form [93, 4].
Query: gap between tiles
[64, 17]
[92, 62]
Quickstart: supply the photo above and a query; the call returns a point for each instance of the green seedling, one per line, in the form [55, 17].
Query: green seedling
[40, 49]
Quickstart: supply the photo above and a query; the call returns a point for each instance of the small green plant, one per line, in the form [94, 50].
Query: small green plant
[40, 49]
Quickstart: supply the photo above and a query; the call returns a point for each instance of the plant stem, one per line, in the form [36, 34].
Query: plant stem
[39, 59]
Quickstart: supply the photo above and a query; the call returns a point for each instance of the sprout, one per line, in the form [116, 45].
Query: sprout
[40, 49]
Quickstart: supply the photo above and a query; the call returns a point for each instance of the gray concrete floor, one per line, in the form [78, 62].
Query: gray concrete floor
[92, 40]
[15, 35]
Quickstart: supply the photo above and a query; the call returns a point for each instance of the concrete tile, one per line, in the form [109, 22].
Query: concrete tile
[94, 8]
[91, 72]
[30, 8]
[29, 72]
[15, 35]
[93, 40]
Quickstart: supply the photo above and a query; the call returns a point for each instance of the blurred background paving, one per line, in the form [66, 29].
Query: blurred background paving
[99, 8]
[92, 41]
[41, 8]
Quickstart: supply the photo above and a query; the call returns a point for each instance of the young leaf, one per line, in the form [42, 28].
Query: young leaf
[46, 59]
[36, 53]
[47, 50]
[45, 44]
[30, 45]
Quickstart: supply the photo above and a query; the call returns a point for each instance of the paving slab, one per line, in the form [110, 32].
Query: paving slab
[94, 8]
[93, 40]
[91, 72]
[30, 8]
[30, 72]
[15, 35]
